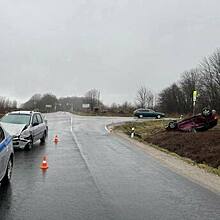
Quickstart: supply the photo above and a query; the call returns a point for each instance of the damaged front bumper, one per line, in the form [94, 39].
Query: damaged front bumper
[19, 142]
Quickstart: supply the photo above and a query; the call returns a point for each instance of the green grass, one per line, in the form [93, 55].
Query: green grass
[143, 129]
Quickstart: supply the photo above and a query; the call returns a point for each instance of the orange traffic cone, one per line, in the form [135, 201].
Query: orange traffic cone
[56, 140]
[44, 164]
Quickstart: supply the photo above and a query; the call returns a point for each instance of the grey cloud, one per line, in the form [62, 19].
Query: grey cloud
[67, 47]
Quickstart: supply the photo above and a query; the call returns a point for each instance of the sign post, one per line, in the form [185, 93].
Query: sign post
[132, 133]
[49, 107]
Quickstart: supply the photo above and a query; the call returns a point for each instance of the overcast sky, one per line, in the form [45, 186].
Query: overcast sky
[67, 47]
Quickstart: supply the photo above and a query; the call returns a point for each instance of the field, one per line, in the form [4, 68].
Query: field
[202, 147]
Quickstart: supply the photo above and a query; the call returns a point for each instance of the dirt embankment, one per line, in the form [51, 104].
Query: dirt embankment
[201, 147]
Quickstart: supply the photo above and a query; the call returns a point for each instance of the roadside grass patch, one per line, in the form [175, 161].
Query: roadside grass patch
[143, 129]
[201, 149]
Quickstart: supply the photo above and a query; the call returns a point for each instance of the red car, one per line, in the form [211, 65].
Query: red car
[201, 122]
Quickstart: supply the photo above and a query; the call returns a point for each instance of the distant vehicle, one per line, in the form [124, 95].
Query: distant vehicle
[6, 156]
[201, 122]
[26, 127]
[148, 113]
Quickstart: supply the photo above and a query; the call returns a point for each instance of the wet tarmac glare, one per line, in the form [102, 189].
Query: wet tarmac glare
[94, 175]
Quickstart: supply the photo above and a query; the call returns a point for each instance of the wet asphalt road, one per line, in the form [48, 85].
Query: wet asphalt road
[94, 175]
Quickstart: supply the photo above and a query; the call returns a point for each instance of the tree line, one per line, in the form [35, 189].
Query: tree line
[91, 100]
[177, 98]
[50, 103]
[7, 104]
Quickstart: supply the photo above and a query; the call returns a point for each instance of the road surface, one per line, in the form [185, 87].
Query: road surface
[95, 175]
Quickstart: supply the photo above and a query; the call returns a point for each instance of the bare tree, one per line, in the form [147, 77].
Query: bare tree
[215, 65]
[210, 72]
[7, 105]
[14, 104]
[190, 81]
[39, 102]
[2, 103]
[144, 98]
[33, 102]
[92, 98]
[205, 79]
[171, 99]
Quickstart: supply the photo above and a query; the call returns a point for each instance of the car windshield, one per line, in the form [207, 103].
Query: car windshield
[16, 119]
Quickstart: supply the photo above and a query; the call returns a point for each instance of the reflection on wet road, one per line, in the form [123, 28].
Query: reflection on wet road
[94, 175]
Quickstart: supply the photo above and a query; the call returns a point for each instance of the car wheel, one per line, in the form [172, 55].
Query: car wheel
[43, 139]
[172, 125]
[158, 117]
[140, 116]
[29, 145]
[206, 112]
[7, 177]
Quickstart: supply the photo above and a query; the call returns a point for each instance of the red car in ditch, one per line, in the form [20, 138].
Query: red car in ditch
[201, 122]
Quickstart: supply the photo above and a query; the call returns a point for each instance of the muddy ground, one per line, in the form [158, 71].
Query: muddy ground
[201, 147]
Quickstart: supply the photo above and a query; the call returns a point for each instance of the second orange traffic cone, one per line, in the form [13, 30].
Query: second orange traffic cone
[44, 164]
[56, 140]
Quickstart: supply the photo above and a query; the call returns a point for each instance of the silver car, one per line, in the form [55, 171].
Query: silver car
[6, 156]
[26, 127]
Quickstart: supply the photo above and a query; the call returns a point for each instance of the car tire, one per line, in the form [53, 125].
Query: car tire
[43, 139]
[158, 117]
[29, 146]
[206, 112]
[7, 177]
[172, 125]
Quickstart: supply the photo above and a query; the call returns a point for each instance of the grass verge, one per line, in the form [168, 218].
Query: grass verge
[200, 149]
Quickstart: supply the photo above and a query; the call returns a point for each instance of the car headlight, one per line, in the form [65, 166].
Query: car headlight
[25, 134]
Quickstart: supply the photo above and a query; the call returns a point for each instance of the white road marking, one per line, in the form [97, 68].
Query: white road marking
[71, 124]
[77, 142]
[84, 157]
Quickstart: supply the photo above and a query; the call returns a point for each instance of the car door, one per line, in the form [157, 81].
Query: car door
[146, 113]
[3, 153]
[41, 125]
[35, 128]
[152, 113]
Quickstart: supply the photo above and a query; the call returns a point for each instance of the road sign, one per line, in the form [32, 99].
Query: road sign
[85, 105]
[195, 94]
[48, 106]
